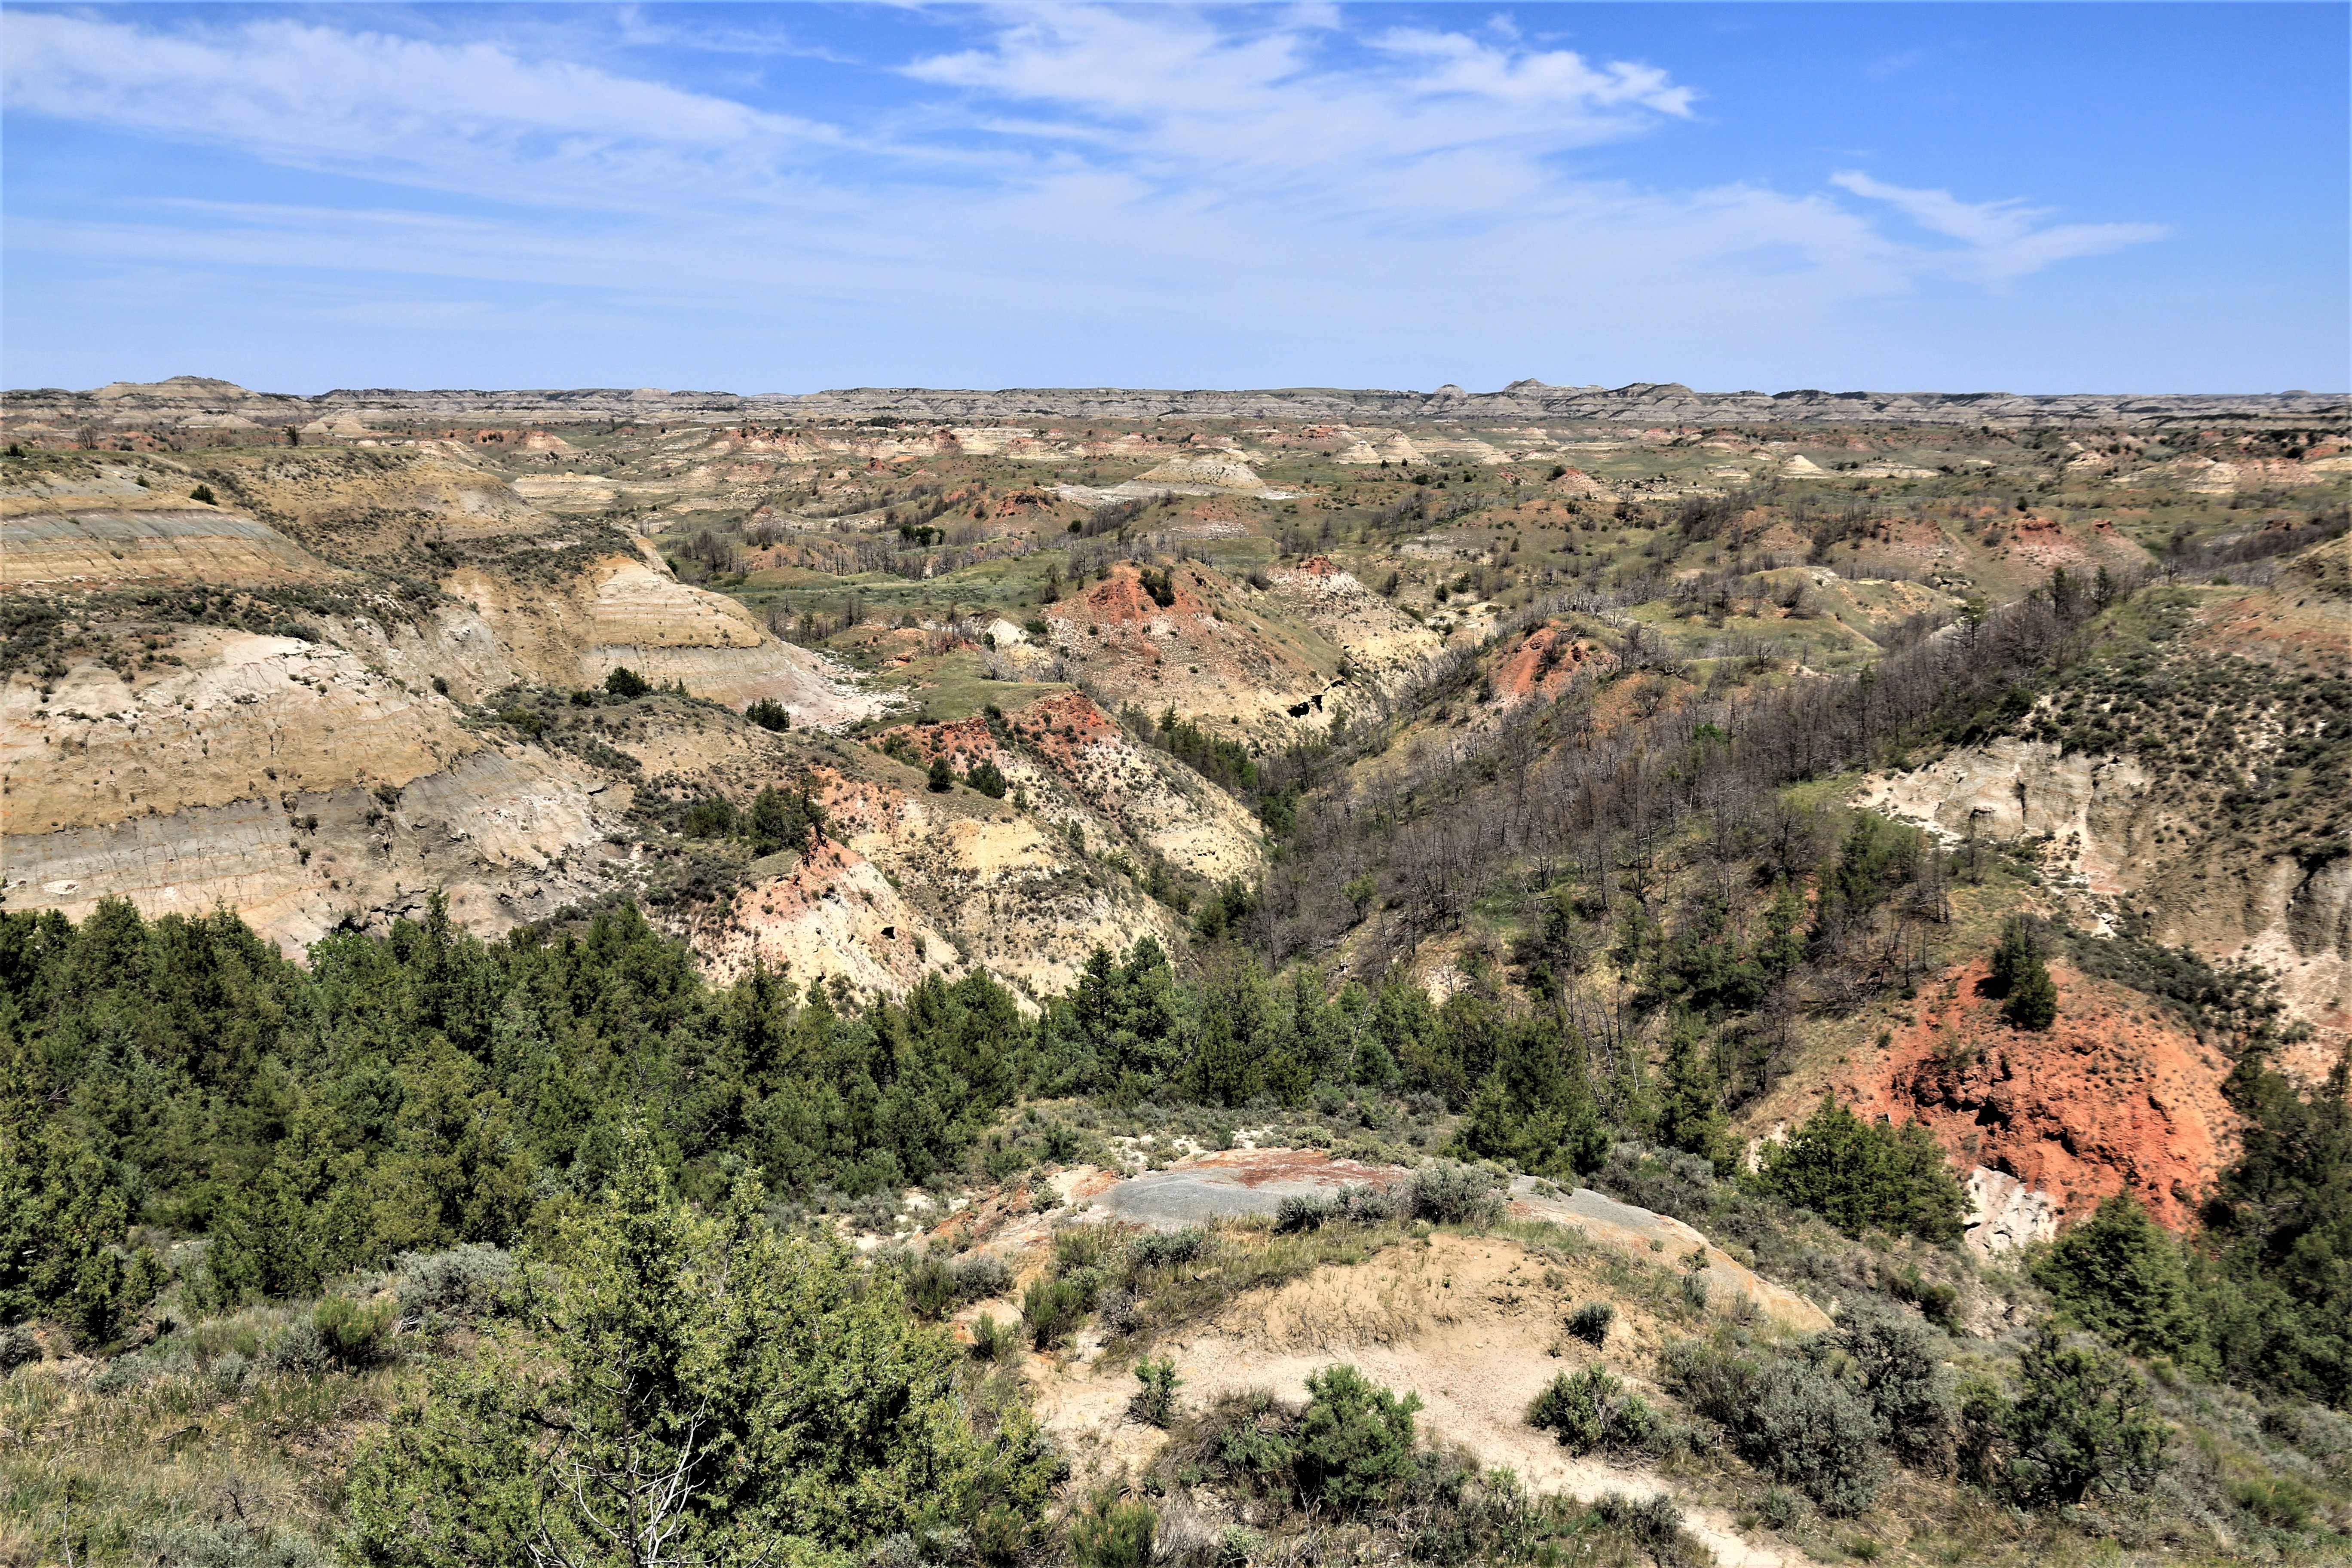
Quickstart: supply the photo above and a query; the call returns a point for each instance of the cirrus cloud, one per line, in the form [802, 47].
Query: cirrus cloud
[1266, 184]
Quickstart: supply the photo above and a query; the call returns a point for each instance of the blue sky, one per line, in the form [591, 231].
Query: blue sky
[2023, 197]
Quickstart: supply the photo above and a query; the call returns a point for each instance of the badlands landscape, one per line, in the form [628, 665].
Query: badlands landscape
[1774, 973]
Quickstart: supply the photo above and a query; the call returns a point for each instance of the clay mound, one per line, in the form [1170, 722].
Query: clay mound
[346, 425]
[190, 545]
[509, 836]
[2117, 1094]
[1578, 485]
[2323, 569]
[2047, 543]
[818, 693]
[621, 610]
[1469, 1323]
[1543, 665]
[378, 507]
[1210, 653]
[1240, 1182]
[832, 914]
[1640, 1234]
[568, 492]
[2008, 787]
[1218, 470]
[637, 605]
[2142, 824]
[1485, 454]
[243, 715]
[1387, 650]
[1079, 769]
[2300, 624]
[908, 880]
[1203, 474]
[1233, 1184]
[2197, 474]
[181, 392]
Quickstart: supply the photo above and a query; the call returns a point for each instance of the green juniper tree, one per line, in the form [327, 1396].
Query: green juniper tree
[2021, 978]
[2122, 1276]
[1690, 1099]
[694, 1388]
[1536, 1111]
[1862, 1175]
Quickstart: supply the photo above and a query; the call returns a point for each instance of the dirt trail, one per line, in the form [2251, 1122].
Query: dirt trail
[1238, 1182]
[1471, 1324]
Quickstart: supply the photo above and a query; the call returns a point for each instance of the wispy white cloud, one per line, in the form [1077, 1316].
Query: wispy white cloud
[2001, 240]
[1265, 100]
[1243, 176]
[469, 116]
[660, 29]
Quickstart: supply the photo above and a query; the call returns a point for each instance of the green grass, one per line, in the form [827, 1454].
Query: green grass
[957, 686]
[204, 1465]
[1247, 1256]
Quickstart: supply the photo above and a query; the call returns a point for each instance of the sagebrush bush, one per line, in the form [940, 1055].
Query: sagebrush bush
[1893, 1357]
[1155, 1402]
[1360, 1202]
[465, 1282]
[230, 1543]
[937, 1286]
[1591, 1409]
[930, 1287]
[1113, 1534]
[1120, 1311]
[352, 1334]
[1166, 1249]
[1794, 1420]
[1653, 1521]
[1446, 1192]
[1357, 1203]
[1304, 1211]
[1665, 1181]
[1590, 1323]
[979, 1277]
[1052, 1308]
[2279, 1502]
[992, 1341]
[1084, 1246]
[1354, 1441]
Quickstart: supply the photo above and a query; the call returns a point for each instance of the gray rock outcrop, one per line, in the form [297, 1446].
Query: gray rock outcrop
[198, 399]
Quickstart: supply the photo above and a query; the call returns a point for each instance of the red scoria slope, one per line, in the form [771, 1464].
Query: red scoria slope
[2115, 1093]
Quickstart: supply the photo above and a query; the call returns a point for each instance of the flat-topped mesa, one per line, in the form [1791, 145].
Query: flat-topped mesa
[1638, 403]
[1641, 403]
[620, 401]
